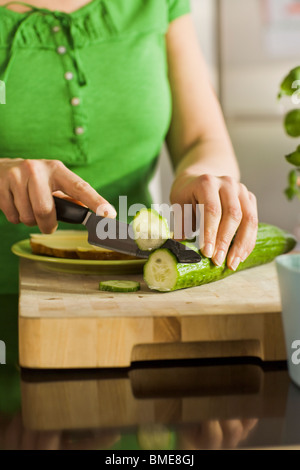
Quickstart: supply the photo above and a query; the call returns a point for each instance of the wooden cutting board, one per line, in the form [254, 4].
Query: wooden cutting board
[66, 322]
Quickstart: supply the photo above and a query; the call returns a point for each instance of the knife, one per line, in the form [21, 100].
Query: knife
[113, 234]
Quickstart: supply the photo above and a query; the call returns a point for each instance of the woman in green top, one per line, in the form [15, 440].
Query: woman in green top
[93, 88]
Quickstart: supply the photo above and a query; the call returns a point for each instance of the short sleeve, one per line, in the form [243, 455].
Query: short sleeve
[178, 8]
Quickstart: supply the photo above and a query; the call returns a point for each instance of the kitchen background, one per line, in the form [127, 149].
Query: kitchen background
[249, 47]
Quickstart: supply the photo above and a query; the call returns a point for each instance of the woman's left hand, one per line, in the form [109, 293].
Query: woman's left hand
[229, 210]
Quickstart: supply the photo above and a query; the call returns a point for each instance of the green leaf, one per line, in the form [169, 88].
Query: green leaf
[286, 87]
[293, 190]
[292, 123]
[293, 176]
[294, 158]
[290, 193]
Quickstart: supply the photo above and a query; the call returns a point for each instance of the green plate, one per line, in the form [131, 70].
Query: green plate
[79, 266]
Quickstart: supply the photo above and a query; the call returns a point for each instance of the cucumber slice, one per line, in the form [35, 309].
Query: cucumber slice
[156, 437]
[150, 229]
[160, 271]
[119, 286]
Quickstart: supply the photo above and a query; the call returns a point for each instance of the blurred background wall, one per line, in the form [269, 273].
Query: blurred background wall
[249, 47]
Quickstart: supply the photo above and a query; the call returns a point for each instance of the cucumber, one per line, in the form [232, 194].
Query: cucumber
[156, 437]
[163, 273]
[119, 286]
[150, 229]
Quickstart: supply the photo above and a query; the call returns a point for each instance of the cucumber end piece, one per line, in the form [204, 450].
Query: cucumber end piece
[160, 271]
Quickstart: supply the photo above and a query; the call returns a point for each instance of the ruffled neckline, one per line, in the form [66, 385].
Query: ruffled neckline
[95, 22]
[74, 14]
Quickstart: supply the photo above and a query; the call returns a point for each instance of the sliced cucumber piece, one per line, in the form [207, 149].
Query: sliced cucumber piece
[156, 437]
[119, 286]
[160, 271]
[150, 229]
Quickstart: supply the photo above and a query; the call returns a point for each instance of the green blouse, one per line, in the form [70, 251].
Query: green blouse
[88, 88]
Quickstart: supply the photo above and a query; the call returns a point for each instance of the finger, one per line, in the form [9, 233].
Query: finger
[230, 221]
[212, 435]
[233, 432]
[18, 187]
[42, 202]
[246, 235]
[74, 186]
[248, 425]
[208, 436]
[208, 194]
[8, 207]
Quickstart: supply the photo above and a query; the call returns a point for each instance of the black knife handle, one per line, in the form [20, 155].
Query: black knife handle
[67, 211]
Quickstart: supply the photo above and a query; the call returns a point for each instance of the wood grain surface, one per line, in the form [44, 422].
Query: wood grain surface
[66, 322]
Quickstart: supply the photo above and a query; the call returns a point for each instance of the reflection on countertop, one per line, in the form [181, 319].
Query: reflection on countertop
[183, 405]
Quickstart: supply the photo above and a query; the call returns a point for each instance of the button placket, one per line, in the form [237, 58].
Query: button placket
[74, 89]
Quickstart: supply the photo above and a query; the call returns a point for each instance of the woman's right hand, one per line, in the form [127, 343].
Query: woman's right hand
[27, 187]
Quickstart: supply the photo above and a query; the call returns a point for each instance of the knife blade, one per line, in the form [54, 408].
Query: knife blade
[113, 234]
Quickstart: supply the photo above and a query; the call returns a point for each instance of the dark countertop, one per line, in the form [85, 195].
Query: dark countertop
[184, 405]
